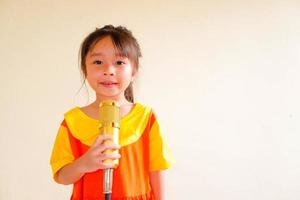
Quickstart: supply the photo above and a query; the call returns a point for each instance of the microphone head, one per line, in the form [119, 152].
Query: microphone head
[109, 113]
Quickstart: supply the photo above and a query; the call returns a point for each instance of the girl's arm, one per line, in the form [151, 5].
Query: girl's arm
[88, 162]
[70, 173]
[157, 183]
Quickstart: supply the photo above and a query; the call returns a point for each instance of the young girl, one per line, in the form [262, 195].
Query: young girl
[109, 62]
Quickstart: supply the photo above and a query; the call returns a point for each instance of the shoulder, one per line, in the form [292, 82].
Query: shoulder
[134, 124]
[73, 111]
[146, 109]
[142, 111]
[145, 112]
[142, 107]
[81, 126]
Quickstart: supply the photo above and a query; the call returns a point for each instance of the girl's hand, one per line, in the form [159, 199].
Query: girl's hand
[93, 159]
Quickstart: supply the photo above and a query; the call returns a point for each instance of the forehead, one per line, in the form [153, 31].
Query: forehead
[104, 46]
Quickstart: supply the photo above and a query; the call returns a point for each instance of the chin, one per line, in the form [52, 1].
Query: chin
[109, 96]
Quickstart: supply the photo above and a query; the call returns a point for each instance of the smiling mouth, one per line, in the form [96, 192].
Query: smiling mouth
[108, 83]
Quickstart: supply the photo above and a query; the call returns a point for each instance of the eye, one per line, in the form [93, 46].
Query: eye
[98, 62]
[120, 62]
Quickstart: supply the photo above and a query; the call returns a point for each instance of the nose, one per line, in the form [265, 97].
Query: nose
[109, 70]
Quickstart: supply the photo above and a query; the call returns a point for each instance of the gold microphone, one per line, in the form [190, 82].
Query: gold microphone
[109, 123]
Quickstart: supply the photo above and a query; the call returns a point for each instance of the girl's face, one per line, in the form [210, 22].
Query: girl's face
[108, 73]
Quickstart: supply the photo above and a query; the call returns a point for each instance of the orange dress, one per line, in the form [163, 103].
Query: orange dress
[142, 150]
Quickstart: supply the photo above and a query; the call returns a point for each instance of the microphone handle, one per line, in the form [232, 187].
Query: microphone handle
[107, 181]
[113, 130]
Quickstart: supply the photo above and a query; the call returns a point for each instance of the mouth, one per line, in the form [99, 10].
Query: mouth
[108, 83]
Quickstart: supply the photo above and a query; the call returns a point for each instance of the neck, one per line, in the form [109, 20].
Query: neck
[121, 101]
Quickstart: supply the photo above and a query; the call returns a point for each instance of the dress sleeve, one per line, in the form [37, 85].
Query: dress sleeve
[62, 152]
[159, 152]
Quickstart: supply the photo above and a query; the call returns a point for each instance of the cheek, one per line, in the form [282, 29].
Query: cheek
[127, 75]
[92, 72]
[129, 71]
[92, 76]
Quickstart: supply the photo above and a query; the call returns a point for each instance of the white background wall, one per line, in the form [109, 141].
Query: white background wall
[223, 77]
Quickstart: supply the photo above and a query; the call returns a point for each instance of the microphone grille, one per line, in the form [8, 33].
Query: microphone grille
[109, 112]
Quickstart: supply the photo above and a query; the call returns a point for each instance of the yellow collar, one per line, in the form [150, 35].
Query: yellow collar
[85, 128]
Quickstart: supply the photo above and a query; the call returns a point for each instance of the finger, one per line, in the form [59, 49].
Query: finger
[107, 146]
[101, 138]
[110, 156]
[107, 160]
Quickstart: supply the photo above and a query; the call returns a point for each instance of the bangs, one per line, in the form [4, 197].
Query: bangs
[124, 46]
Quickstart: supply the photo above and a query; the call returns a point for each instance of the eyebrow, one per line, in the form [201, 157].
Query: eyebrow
[96, 54]
[101, 54]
